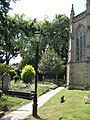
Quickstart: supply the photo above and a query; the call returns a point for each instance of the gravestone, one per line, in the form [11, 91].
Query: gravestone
[43, 79]
[5, 81]
[87, 98]
[88, 94]
[62, 99]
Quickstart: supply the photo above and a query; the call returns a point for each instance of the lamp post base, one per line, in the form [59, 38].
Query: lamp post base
[35, 106]
[34, 110]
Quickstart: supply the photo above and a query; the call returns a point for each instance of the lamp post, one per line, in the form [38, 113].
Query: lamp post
[38, 32]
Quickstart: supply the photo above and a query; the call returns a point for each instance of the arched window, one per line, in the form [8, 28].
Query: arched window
[84, 49]
[80, 42]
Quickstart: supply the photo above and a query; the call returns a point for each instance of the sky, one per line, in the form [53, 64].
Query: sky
[41, 9]
[46, 8]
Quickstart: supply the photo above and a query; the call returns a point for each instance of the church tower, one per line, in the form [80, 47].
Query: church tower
[78, 66]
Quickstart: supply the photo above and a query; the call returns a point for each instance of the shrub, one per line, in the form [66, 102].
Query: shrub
[5, 68]
[16, 78]
[12, 73]
[18, 71]
[28, 74]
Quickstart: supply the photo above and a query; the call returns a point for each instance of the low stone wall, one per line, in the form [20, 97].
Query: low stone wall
[20, 94]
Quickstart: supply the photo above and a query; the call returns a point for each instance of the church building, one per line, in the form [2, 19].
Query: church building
[78, 66]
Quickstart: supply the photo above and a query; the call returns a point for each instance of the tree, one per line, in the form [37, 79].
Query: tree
[60, 36]
[14, 32]
[56, 35]
[60, 68]
[4, 8]
[50, 64]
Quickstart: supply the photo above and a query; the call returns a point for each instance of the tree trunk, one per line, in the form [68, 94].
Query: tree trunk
[7, 58]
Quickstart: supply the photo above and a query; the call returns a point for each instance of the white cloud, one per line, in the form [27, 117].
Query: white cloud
[39, 8]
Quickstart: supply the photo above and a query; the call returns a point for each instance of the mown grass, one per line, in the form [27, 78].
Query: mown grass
[8, 103]
[73, 108]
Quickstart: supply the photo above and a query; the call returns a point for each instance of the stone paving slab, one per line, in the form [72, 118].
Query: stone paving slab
[23, 112]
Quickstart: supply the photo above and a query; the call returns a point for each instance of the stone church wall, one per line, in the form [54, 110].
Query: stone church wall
[78, 66]
[80, 75]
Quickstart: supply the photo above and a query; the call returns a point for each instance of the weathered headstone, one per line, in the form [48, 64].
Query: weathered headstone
[5, 81]
[62, 99]
[88, 94]
[43, 79]
[87, 98]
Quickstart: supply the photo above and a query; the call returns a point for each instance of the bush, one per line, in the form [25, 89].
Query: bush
[5, 68]
[28, 74]
[18, 71]
[12, 73]
[16, 78]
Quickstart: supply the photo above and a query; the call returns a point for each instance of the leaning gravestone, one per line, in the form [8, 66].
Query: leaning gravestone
[5, 81]
[87, 98]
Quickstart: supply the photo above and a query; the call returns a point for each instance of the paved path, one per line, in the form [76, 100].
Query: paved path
[23, 112]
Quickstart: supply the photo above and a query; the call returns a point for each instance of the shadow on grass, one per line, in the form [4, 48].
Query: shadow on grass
[61, 118]
[39, 118]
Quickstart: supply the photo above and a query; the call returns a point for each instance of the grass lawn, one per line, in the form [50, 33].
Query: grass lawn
[73, 108]
[9, 104]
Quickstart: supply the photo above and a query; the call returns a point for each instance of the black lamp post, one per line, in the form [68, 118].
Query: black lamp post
[38, 32]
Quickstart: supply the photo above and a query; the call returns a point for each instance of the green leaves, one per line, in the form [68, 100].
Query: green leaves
[56, 35]
[60, 41]
[5, 68]
[28, 74]
[50, 64]
[15, 34]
